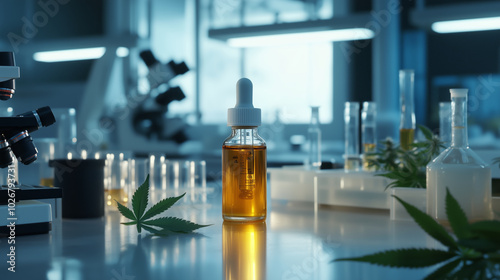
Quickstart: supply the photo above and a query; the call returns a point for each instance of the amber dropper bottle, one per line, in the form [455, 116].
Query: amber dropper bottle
[244, 161]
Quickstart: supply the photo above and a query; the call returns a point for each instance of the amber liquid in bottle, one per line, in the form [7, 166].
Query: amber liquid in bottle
[244, 182]
[406, 137]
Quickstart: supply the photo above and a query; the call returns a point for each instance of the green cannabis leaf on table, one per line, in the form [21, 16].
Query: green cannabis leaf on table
[144, 219]
[406, 168]
[474, 254]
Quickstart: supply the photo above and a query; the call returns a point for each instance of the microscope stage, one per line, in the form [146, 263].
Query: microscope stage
[30, 217]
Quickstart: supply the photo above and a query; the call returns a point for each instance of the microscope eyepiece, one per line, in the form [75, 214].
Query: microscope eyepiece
[43, 116]
[46, 116]
[178, 68]
[148, 57]
[173, 93]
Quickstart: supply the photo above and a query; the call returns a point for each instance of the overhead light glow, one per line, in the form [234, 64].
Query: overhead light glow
[466, 25]
[304, 37]
[69, 55]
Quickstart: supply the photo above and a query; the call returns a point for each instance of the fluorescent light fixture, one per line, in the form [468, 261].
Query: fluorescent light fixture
[352, 27]
[349, 34]
[466, 25]
[460, 17]
[69, 55]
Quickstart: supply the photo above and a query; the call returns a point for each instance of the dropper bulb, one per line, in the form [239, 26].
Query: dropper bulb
[244, 90]
[243, 113]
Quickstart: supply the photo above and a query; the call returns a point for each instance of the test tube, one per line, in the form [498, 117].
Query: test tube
[368, 133]
[314, 137]
[406, 100]
[351, 118]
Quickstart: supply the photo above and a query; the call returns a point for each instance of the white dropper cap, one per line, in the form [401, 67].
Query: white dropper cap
[458, 92]
[243, 113]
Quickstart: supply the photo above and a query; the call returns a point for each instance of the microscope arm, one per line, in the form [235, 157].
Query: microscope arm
[18, 123]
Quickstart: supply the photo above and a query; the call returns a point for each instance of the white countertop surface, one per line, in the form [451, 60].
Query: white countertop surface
[294, 243]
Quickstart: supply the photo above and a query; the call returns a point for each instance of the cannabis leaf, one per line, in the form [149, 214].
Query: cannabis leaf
[411, 257]
[475, 254]
[406, 168]
[142, 218]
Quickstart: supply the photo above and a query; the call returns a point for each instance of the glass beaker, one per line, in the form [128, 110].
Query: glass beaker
[46, 151]
[116, 178]
[368, 133]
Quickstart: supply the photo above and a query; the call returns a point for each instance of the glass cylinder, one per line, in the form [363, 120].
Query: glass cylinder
[368, 133]
[66, 131]
[46, 151]
[445, 122]
[407, 121]
[460, 170]
[116, 177]
[351, 118]
[314, 135]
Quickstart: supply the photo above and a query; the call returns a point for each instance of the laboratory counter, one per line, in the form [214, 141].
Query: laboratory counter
[295, 242]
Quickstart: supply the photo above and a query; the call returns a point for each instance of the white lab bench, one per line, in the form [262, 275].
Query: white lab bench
[295, 243]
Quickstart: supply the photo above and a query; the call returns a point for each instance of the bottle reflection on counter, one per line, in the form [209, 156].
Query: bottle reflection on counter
[244, 250]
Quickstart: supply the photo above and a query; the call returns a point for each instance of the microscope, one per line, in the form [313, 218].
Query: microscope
[116, 114]
[149, 118]
[19, 213]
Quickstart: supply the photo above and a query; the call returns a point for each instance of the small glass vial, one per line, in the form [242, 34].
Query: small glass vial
[368, 133]
[351, 118]
[407, 121]
[314, 137]
[460, 170]
[244, 161]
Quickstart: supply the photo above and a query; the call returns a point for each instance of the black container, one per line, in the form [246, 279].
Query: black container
[82, 184]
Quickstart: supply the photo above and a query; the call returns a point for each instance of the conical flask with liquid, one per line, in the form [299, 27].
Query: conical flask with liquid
[460, 170]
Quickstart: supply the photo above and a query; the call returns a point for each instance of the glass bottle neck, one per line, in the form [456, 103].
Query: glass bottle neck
[314, 116]
[244, 135]
[459, 122]
[242, 129]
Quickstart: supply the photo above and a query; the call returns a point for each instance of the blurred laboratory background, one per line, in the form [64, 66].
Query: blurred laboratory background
[143, 87]
[158, 76]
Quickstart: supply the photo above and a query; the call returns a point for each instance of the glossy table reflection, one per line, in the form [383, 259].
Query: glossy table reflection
[294, 243]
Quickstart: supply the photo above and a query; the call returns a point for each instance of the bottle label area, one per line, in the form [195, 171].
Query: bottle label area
[244, 181]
